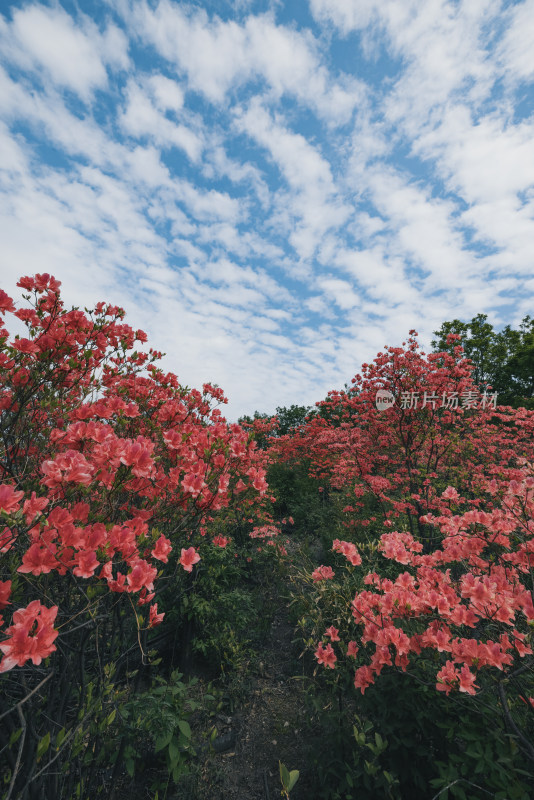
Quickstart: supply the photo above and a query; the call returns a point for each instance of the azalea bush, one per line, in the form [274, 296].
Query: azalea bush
[438, 581]
[113, 477]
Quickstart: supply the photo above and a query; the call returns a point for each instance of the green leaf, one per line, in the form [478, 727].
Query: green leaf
[112, 716]
[284, 775]
[162, 742]
[293, 778]
[184, 728]
[174, 751]
[59, 738]
[15, 736]
[43, 745]
[130, 767]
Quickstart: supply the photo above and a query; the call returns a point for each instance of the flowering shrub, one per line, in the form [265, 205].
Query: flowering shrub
[398, 462]
[108, 469]
[438, 579]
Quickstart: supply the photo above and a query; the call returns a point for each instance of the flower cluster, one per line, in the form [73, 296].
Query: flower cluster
[30, 637]
[349, 550]
[323, 573]
[429, 606]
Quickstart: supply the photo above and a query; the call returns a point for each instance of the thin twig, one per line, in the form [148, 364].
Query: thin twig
[66, 740]
[83, 624]
[19, 754]
[17, 705]
[463, 780]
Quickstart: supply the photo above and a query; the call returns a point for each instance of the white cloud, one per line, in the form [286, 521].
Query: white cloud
[227, 273]
[12, 157]
[297, 70]
[217, 56]
[208, 205]
[145, 167]
[340, 291]
[168, 94]
[312, 206]
[50, 118]
[481, 161]
[347, 15]
[142, 119]
[421, 228]
[208, 53]
[382, 278]
[508, 228]
[515, 49]
[48, 39]
[443, 46]
[490, 165]
[300, 163]
[217, 163]
[366, 226]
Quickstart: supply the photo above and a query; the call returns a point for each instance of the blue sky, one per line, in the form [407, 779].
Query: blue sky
[272, 190]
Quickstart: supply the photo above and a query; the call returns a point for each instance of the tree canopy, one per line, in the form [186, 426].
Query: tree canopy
[503, 359]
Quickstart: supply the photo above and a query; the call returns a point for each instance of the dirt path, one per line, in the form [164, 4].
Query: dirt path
[268, 727]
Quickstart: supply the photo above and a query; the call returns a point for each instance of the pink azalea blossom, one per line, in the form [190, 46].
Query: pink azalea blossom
[30, 636]
[188, 558]
[155, 618]
[162, 549]
[332, 633]
[323, 573]
[352, 649]
[326, 655]
[9, 498]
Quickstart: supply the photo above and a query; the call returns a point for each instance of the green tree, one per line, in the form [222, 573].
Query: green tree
[286, 420]
[502, 359]
[290, 418]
